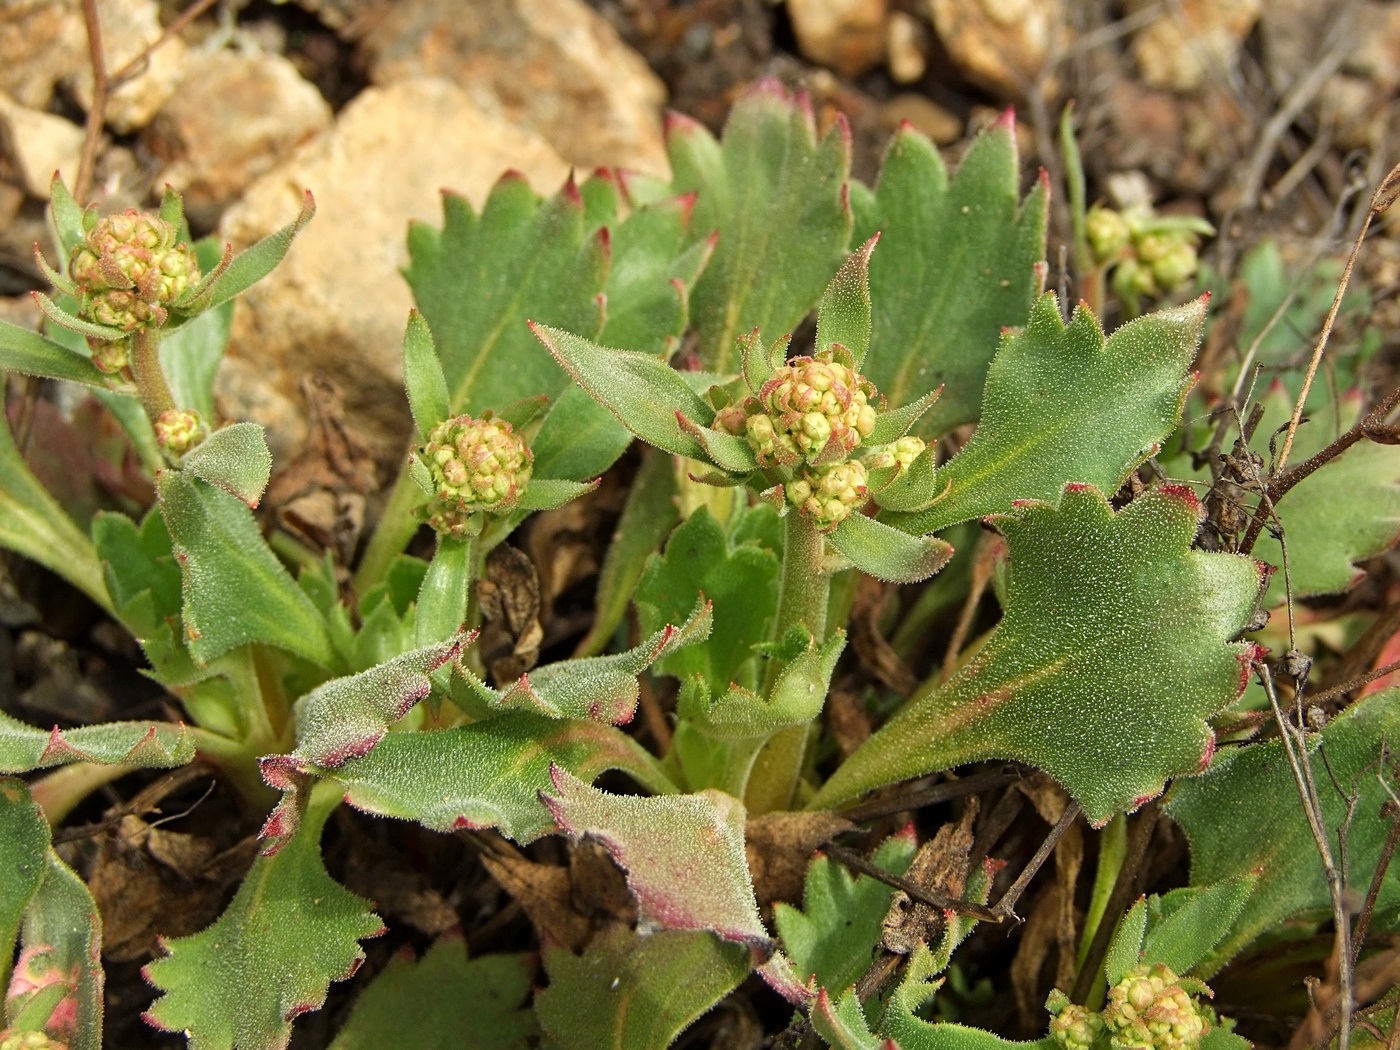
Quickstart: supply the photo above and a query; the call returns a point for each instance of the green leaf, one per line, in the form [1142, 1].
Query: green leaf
[29, 353]
[634, 992]
[955, 266]
[599, 688]
[1253, 787]
[740, 582]
[65, 216]
[484, 775]
[34, 525]
[445, 1001]
[661, 843]
[842, 1024]
[235, 589]
[647, 518]
[1346, 512]
[290, 931]
[61, 950]
[643, 392]
[346, 717]
[442, 597]
[796, 697]
[768, 178]
[235, 458]
[551, 493]
[151, 745]
[1062, 404]
[422, 376]
[136, 561]
[1125, 950]
[252, 264]
[1114, 649]
[64, 318]
[887, 553]
[1189, 922]
[481, 277]
[844, 313]
[832, 938]
[24, 842]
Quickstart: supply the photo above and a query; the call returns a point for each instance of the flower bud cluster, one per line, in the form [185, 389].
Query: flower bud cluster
[129, 268]
[179, 430]
[829, 494]
[1150, 254]
[475, 465]
[810, 408]
[1151, 1008]
[901, 453]
[29, 1041]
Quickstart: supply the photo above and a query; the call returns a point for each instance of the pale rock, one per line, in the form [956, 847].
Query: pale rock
[232, 118]
[128, 27]
[37, 144]
[926, 115]
[847, 36]
[41, 43]
[1004, 45]
[906, 48]
[554, 67]
[1192, 40]
[338, 302]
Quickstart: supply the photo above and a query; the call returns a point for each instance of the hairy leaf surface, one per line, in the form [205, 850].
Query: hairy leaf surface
[1253, 787]
[1113, 651]
[954, 267]
[153, 745]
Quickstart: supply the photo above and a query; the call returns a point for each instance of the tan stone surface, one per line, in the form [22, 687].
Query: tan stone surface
[1003, 45]
[128, 26]
[847, 36]
[555, 67]
[338, 302]
[37, 144]
[41, 42]
[1193, 40]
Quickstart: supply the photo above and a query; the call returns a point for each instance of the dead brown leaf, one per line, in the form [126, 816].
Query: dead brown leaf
[509, 597]
[779, 847]
[939, 867]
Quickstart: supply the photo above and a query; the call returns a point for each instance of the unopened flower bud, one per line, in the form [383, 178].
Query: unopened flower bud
[110, 357]
[1132, 280]
[135, 254]
[902, 452]
[126, 310]
[829, 494]
[178, 430]
[732, 419]
[1153, 246]
[1176, 267]
[29, 1041]
[1107, 232]
[809, 405]
[1149, 1009]
[475, 465]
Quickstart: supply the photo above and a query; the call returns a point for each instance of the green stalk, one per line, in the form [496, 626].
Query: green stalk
[804, 592]
[151, 386]
[444, 597]
[396, 527]
[1113, 848]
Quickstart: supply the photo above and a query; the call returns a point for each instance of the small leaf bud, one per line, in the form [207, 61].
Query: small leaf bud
[902, 453]
[178, 430]
[475, 465]
[1072, 1027]
[1132, 280]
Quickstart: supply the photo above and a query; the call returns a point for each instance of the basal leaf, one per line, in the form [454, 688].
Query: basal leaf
[235, 458]
[1062, 404]
[445, 1000]
[740, 582]
[598, 688]
[24, 842]
[34, 525]
[290, 931]
[485, 775]
[832, 938]
[153, 745]
[481, 277]
[57, 982]
[767, 178]
[683, 854]
[1346, 512]
[1113, 650]
[29, 353]
[235, 589]
[954, 267]
[634, 991]
[346, 717]
[1252, 787]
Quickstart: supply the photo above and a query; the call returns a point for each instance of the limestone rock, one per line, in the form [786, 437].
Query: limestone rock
[554, 67]
[1003, 45]
[338, 302]
[41, 43]
[906, 48]
[1192, 40]
[847, 36]
[233, 118]
[37, 144]
[128, 26]
[939, 124]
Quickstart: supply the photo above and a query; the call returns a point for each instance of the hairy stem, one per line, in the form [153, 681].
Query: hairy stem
[396, 527]
[145, 369]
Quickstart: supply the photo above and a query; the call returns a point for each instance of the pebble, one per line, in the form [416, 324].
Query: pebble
[36, 144]
[1002, 45]
[846, 36]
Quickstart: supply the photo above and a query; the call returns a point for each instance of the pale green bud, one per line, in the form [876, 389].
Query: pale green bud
[1176, 267]
[1108, 233]
[1150, 1010]
[813, 403]
[829, 494]
[178, 430]
[475, 465]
